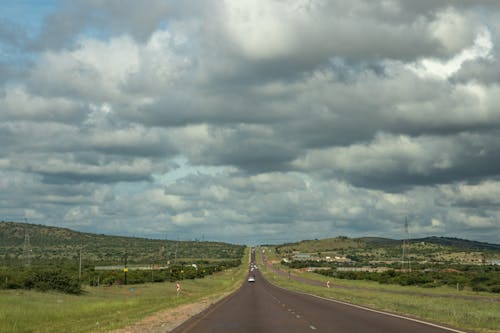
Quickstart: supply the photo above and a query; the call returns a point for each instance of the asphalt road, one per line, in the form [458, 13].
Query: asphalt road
[261, 307]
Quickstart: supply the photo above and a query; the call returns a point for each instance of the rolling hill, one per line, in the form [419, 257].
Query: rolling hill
[376, 249]
[53, 243]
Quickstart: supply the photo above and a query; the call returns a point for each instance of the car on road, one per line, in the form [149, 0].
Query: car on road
[251, 279]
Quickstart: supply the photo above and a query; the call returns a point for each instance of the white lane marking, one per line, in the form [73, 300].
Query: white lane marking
[291, 310]
[372, 310]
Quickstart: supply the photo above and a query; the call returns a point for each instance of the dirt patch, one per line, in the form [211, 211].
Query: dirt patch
[167, 320]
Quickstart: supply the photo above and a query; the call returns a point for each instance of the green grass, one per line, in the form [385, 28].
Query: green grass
[443, 290]
[479, 316]
[104, 308]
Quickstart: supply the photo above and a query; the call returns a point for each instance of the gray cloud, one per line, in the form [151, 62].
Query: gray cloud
[218, 119]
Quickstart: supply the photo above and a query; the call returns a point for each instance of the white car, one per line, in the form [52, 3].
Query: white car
[251, 279]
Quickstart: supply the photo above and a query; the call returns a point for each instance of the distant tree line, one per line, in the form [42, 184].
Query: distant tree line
[42, 278]
[478, 279]
[53, 243]
[296, 264]
[177, 272]
[65, 278]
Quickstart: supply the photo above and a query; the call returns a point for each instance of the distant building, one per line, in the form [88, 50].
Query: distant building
[314, 269]
[364, 269]
[302, 256]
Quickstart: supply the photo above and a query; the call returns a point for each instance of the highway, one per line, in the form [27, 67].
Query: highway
[262, 307]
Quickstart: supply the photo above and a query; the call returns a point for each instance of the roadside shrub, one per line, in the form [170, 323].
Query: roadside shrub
[488, 281]
[479, 287]
[58, 280]
[10, 279]
[495, 289]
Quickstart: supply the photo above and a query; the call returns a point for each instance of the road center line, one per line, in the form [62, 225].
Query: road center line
[371, 310]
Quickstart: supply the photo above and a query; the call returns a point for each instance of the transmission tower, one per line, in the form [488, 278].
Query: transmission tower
[26, 250]
[406, 243]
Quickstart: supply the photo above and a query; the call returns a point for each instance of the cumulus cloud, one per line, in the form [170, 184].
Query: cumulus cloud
[481, 49]
[217, 118]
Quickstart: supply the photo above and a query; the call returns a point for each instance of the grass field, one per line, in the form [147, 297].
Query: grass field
[104, 308]
[443, 290]
[475, 315]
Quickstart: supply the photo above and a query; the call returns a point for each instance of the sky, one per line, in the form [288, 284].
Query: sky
[252, 121]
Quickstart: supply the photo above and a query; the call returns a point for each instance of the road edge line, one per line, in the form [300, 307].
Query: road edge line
[371, 310]
[211, 308]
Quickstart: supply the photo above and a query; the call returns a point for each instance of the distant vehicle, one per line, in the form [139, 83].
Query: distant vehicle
[251, 279]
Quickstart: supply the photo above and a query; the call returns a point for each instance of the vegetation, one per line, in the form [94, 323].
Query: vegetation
[51, 258]
[445, 306]
[321, 245]
[384, 251]
[42, 279]
[51, 243]
[488, 281]
[65, 279]
[107, 307]
[429, 262]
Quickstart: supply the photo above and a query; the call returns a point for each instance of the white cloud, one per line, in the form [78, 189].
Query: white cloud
[160, 198]
[18, 104]
[254, 28]
[386, 154]
[95, 69]
[188, 219]
[215, 192]
[453, 29]
[485, 193]
[444, 69]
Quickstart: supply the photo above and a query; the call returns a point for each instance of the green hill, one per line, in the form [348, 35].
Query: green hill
[366, 250]
[52, 244]
[459, 244]
[321, 245]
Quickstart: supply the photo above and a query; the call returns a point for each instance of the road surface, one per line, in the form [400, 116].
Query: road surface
[260, 307]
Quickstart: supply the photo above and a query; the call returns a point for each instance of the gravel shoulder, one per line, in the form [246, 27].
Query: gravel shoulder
[168, 319]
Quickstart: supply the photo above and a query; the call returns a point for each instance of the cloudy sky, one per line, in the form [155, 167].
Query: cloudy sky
[253, 120]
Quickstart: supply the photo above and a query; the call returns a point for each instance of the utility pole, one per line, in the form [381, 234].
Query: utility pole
[125, 269]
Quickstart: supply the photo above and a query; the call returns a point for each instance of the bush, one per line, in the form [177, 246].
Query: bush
[495, 289]
[56, 280]
[479, 281]
[479, 287]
